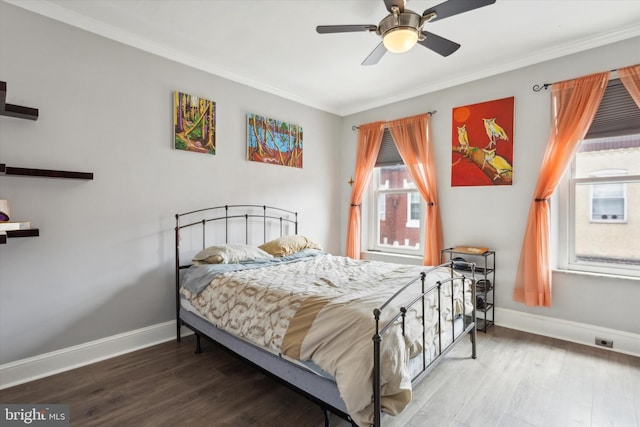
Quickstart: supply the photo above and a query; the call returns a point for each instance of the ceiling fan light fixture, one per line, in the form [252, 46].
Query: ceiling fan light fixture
[400, 31]
[400, 40]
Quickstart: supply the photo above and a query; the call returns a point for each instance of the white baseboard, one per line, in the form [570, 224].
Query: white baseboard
[581, 333]
[47, 364]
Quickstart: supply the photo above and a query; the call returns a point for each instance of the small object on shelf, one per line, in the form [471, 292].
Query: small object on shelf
[4, 210]
[15, 225]
[460, 263]
[457, 261]
[483, 285]
[470, 250]
[17, 111]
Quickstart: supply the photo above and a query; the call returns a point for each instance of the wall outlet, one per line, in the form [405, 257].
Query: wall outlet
[603, 342]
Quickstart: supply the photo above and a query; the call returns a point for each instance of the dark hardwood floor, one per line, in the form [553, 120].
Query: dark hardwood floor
[518, 379]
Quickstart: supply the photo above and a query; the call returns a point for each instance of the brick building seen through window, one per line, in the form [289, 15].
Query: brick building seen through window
[398, 209]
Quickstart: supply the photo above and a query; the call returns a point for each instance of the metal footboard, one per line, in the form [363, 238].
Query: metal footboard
[469, 320]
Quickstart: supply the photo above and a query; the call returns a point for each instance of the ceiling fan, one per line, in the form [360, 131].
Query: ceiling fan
[402, 28]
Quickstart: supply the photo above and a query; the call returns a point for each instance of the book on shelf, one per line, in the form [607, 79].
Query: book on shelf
[474, 250]
[15, 225]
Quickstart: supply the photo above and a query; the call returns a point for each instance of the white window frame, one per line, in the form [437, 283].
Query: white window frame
[375, 190]
[566, 251]
[617, 116]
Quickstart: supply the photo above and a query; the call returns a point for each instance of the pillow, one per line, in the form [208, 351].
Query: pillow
[229, 254]
[287, 245]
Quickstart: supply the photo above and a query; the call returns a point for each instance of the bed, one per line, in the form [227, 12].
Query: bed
[351, 335]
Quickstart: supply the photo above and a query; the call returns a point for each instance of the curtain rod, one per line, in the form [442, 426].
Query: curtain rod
[545, 86]
[431, 113]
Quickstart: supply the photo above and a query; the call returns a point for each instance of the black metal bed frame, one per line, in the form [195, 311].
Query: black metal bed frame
[284, 218]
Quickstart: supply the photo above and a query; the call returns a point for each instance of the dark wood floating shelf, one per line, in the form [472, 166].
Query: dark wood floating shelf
[17, 111]
[32, 232]
[8, 170]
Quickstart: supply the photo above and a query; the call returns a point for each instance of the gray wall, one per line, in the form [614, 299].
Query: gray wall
[103, 262]
[496, 216]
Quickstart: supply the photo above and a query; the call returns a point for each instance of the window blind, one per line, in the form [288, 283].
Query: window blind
[388, 155]
[617, 114]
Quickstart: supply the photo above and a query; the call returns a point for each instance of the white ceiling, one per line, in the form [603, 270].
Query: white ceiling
[272, 44]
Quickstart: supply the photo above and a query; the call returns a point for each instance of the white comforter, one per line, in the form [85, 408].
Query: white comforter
[320, 308]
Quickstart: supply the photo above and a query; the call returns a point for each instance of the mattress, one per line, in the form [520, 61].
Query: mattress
[415, 364]
[316, 312]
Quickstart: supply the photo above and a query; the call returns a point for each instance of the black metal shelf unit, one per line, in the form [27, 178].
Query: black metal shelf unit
[485, 269]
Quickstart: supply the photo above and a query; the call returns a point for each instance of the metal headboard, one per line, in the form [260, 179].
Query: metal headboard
[222, 213]
[232, 217]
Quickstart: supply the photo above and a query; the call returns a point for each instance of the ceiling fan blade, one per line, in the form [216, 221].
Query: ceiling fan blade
[375, 55]
[327, 29]
[398, 3]
[455, 7]
[439, 45]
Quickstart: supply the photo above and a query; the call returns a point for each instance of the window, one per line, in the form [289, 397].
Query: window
[608, 199]
[382, 208]
[413, 209]
[397, 209]
[603, 201]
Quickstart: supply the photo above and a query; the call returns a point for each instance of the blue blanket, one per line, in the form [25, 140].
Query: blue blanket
[198, 277]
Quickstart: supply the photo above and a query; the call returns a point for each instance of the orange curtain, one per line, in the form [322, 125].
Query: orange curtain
[412, 136]
[630, 77]
[369, 140]
[574, 104]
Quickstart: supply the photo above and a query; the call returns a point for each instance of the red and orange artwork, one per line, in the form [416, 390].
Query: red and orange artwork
[482, 144]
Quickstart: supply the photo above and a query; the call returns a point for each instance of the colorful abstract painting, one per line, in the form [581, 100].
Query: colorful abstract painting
[273, 141]
[482, 144]
[194, 121]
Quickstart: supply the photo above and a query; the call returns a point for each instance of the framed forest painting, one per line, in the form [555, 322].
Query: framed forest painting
[482, 144]
[273, 141]
[194, 122]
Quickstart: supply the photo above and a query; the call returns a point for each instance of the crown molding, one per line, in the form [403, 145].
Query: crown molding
[523, 61]
[56, 12]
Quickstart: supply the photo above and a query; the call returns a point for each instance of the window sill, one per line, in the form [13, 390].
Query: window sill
[594, 274]
[391, 257]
